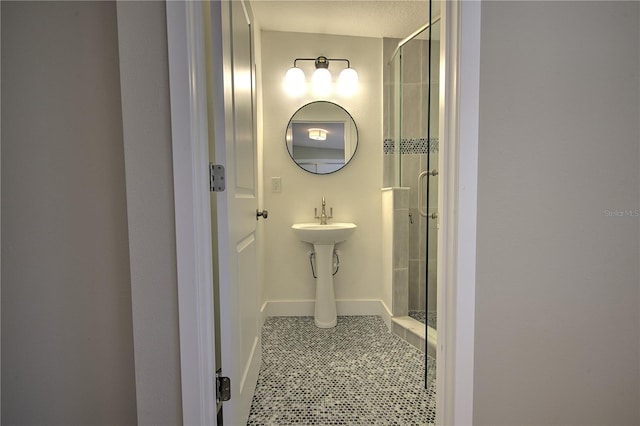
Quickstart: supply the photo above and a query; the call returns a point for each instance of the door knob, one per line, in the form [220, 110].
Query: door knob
[262, 213]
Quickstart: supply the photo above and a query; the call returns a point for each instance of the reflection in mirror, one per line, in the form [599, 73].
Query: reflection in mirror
[321, 137]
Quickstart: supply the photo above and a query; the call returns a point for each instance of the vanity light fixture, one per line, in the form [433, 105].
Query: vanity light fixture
[318, 134]
[295, 83]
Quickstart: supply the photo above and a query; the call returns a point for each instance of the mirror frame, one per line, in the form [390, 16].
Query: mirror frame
[348, 115]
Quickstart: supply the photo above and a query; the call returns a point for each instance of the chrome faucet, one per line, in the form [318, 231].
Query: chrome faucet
[323, 214]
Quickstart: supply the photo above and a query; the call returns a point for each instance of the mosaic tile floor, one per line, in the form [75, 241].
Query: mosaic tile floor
[431, 317]
[357, 373]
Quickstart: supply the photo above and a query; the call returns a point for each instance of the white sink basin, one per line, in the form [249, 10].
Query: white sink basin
[329, 234]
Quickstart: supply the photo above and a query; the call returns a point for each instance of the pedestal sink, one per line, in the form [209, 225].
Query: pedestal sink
[324, 238]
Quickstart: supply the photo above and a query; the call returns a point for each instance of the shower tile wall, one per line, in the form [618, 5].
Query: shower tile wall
[413, 148]
[389, 178]
[418, 266]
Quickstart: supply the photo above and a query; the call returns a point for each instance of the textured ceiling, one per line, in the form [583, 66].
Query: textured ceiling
[383, 18]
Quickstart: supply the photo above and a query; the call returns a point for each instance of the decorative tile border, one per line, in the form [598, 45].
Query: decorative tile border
[388, 146]
[411, 146]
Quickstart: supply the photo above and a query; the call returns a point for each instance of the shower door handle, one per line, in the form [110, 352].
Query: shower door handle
[421, 176]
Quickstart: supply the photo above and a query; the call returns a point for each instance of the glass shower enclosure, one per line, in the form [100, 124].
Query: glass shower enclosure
[411, 149]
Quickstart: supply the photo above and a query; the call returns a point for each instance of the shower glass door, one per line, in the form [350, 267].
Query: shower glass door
[411, 148]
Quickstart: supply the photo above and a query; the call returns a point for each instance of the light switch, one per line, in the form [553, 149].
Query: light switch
[276, 184]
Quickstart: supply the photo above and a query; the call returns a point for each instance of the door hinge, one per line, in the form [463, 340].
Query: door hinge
[216, 177]
[223, 387]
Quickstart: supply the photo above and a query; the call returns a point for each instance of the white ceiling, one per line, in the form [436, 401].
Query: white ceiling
[364, 18]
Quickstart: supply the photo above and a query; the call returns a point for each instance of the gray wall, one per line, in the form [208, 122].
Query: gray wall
[557, 318]
[67, 344]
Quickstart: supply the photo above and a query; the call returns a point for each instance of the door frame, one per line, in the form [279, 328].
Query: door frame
[189, 127]
[460, 59]
[459, 112]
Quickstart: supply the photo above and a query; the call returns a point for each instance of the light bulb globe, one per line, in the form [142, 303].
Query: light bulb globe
[348, 81]
[294, 81]
[321, 81]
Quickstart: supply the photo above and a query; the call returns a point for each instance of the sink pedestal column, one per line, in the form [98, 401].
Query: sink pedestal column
[325, 309]
[324, 238]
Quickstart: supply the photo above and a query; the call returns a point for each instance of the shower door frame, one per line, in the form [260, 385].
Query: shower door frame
[459, 94]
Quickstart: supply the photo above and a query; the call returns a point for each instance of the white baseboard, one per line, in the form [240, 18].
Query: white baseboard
[386, 314]
[287, 308]
[302, 308]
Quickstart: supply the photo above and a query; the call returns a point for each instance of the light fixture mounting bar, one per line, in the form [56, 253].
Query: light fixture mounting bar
[321, 61]
[302, 59]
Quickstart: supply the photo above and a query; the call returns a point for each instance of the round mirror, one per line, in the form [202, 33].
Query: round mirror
[321, 137]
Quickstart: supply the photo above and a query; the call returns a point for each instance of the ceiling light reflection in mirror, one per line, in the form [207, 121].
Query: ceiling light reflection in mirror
[321, 137]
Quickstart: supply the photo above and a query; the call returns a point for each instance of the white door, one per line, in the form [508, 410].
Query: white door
[235, 148]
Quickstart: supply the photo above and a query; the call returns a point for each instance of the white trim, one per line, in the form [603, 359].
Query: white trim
[468, 124]
[192, 210]
[386, 314]
[459, 89]
[0, 240]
